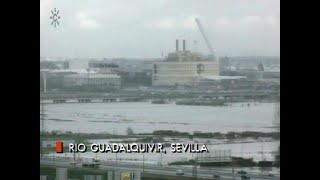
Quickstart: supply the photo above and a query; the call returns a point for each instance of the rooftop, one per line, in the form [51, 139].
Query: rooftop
[223, 77]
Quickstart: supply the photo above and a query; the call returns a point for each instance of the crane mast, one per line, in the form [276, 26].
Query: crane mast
[205, 37]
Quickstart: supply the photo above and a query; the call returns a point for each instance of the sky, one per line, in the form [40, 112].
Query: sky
[149, 28]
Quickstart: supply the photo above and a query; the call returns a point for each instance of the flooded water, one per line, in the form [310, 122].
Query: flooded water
[144, 117]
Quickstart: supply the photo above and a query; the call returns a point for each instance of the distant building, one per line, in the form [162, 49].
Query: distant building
[224, 64]
[221, 82]
[92, 79]
[79, 63]
[52, 65]
[104, 67]
[183, 68]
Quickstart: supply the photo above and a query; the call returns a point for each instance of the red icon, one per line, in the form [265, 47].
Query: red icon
[59, 147]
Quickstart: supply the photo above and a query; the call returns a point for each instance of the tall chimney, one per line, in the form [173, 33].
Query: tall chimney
[184, 45]
[177, 45]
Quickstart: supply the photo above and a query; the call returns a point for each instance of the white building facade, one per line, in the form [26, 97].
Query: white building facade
[169, 73]
[92, 79]
[183, 68]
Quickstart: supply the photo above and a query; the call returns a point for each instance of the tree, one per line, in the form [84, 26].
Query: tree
[129, 131]
[276, 115]
[277, 124]
[277, 158]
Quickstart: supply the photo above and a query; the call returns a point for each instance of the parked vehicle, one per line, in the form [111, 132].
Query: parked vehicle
[179, 172]
[216, 177]
[245, 177]
[73, 162]
[242, 172]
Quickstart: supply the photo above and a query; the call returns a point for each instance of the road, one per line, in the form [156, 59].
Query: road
[161, 170]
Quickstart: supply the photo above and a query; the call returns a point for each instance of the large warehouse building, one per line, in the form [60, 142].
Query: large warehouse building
[183, 68]
[92, 79]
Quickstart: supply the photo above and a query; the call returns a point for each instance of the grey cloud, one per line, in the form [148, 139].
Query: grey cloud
[134, 28]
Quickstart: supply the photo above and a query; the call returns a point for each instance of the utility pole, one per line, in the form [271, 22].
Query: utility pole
[142, 162]
[44, 78]
[88, 70]
[74, 156]
[42, 131]
[53, 158]
[44, 82]
[262, 153]
[194, 169]
[116, 158]
[42, 116]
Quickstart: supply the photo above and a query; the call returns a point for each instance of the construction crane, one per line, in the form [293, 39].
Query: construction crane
[260, 66]
[205, 37]
[260, 70]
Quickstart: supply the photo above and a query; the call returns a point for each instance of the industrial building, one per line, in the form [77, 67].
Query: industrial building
[183, 68]
[54, 65]
[104, 67]
[92, 79]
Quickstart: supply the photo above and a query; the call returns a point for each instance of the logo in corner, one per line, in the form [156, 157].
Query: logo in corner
[59, 147]
[55, 17]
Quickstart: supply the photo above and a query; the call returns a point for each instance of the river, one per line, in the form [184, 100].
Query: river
[144, 117]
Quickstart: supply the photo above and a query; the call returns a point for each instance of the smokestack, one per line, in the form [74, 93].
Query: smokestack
[177, 45]
[184, 45]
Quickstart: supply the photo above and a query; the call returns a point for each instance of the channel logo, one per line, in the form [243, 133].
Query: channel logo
[59, 147]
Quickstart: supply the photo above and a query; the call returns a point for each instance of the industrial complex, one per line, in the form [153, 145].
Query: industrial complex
[183, 68]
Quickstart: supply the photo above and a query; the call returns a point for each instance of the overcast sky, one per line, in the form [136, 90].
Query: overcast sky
[146, 28]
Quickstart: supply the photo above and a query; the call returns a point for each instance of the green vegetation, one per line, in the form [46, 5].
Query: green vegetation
[202, 102]
[235, 162]
[277, 158]
[48, 171]
[148, 137]
[137, 99]
[170, 133]
[243, 162]
[159, 101]
[84, 136]
[217, 135]
[151, 139]
[190, 162]
[265, 164]
[130, 131]
[231, 135]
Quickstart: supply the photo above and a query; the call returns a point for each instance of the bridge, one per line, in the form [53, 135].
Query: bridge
[139, 95]
[81, 100]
